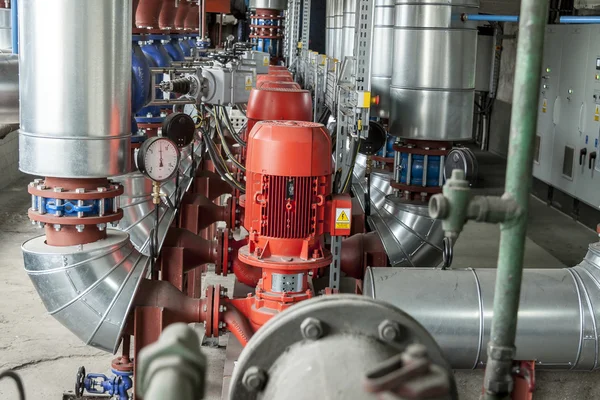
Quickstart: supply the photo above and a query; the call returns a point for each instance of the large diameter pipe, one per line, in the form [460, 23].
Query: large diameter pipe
[530, 51]
[5, 29]
[9, 89]
[348, 28]
[558, 318]
[382, 53]
[75, 98]
[338, 26]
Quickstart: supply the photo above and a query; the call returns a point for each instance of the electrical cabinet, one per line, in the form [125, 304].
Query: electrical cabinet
[549, 106]
[568, 135]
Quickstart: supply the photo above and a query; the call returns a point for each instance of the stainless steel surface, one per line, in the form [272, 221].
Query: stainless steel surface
[338, 25]
[485, 60]
[139, 216]
[381, 70]
[5, 29]
[75, 98]
[9, 89]
[410, 237]
[432, 90]
[287, 283]
[336, 358]
[348, 28]
[329, 27]
[88, 288]
[269, 4]
[559, 311]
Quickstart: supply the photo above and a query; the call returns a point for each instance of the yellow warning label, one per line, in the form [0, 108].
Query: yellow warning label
[342, 220]
[597, 114]
[545, 106]
[249, 83]
[266, 61]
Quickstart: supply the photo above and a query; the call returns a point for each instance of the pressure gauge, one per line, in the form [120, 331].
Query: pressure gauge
[158, 159]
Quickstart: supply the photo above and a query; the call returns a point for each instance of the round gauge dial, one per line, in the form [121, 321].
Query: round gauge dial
[158, 159]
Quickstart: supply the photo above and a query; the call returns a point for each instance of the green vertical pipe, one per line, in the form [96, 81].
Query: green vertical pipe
[498, 379]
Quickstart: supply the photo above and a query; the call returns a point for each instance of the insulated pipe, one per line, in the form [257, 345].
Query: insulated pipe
[348, 28]
[558, 318]
[85, 130]
[530, 52]
[14, 18]
[338, 27]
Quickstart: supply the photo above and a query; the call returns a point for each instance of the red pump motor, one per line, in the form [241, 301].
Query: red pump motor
[289, 209]
[277, 85]
[278, 104]
[274, 78]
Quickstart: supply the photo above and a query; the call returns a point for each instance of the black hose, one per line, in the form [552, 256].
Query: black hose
[14, 376]
[226, 146]
[220, 168]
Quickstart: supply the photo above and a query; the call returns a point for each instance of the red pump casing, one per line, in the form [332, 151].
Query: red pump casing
[289, 209]
[274, 78]
[277, 85]
[278, 104]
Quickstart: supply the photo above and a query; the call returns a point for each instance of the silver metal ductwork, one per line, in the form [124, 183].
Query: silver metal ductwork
[5, 29]
[138, 209]
[329, 27]
[348, 28]
[9, 89]
[268, 4]
[410, 237]
[382, 53]
[75, 98]
[88, 288]
[338, 26]
[433, 83]
[562, 306]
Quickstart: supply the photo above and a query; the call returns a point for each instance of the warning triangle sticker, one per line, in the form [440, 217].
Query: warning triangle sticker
[597, 110]
[343, 217]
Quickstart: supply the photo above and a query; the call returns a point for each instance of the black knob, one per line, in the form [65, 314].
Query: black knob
[582, 154]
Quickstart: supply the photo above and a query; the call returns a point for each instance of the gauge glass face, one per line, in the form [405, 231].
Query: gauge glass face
[161, 160]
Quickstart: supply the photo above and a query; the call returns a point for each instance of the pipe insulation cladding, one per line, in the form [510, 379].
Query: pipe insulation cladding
[9, 89]
[75, 98]
[558, 319]
[433, 82]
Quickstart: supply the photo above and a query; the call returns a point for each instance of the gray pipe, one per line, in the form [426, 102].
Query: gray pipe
[75, 98]
[348, 28]
[9, 89]
[558, 320]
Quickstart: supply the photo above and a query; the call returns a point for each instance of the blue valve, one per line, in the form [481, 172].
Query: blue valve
[116, 386]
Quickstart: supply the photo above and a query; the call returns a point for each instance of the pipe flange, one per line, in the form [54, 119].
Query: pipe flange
[290, 339]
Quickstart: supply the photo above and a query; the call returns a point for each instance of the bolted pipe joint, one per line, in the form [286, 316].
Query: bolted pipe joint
[500, 381]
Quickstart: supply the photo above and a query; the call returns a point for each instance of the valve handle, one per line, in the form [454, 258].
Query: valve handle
[80, 382]
[592, 159]
[582, 154]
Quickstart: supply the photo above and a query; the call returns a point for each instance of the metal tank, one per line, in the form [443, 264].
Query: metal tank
[5, 29]
[338, 25]
[329, 28]
[268, 4]
[562, 306]
[432, 90]
[75, 122]
[348, 28]
[382, 53]
[9, 89]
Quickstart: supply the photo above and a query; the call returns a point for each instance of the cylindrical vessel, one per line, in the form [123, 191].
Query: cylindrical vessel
[433, 80]
[348, 28]
[84, 130]
[382, 53]
[558, 313]
[9, 89]
[268, 4]
[329, 26]
[192, 20]
[338, 26]
[5, 29]
[166, 19]
[148, 13]
[182, 12]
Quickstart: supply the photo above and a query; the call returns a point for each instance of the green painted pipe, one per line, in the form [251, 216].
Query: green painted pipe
[498, 379]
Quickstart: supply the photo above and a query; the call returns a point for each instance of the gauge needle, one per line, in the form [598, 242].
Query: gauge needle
[160, 163]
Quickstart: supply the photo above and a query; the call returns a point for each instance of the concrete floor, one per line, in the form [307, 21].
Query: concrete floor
[47, 356]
